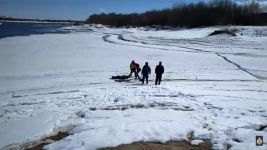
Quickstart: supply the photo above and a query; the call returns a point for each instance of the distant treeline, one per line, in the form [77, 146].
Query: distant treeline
[217, 12]
[3, 18]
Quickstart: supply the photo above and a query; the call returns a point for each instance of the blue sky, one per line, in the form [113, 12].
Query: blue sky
[78, 9]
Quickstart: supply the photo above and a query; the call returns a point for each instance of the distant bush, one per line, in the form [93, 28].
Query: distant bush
[216, 12]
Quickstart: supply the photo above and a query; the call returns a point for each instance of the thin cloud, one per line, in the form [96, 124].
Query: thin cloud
[102, 9]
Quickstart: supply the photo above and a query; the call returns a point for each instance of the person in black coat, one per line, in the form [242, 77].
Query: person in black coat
[159, 71]
[145, 72]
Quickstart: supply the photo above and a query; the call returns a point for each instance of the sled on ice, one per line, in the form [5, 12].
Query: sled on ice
[123, 78]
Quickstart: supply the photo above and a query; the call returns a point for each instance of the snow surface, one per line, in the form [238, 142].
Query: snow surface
[213, 87]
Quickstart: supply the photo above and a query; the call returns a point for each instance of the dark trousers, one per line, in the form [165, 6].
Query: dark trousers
[143, 80]
[158, 79]
[132, 71]
[136, 75]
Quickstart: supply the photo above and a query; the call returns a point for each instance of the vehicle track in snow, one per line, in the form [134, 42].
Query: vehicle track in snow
[207, 42]
[189, 49]
[120, 37]
[106, 39]
[238, 66]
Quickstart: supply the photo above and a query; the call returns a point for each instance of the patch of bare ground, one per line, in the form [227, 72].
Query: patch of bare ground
[183, 145]
[55, 138]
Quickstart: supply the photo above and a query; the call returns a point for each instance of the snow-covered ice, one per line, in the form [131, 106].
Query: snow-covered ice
[213, 87]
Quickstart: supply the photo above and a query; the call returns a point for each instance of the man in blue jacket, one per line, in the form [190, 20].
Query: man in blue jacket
[145, 72]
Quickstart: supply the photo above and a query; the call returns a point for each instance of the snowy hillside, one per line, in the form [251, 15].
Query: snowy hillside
[214, 87]
[263, 4]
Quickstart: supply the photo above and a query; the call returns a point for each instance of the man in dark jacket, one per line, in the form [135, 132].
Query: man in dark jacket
[159, 71]
[145, 72]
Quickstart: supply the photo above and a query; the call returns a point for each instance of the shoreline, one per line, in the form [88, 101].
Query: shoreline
[14, 21]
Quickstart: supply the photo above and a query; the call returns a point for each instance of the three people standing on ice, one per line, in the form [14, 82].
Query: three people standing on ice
[135, 68]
